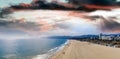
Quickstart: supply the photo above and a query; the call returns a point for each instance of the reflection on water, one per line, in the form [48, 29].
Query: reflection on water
[27, 48]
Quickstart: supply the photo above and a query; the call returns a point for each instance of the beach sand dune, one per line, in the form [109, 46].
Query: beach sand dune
[84, 50]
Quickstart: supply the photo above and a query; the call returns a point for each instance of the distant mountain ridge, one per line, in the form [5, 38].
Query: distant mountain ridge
[89, 36]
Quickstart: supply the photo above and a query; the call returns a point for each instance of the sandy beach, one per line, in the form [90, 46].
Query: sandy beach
[84, 50]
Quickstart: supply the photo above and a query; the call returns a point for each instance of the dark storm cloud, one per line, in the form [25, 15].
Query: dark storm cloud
[4, 12]
[10, 26]
[63, 25]
[109, 24]
[94, 2]
[102, 2]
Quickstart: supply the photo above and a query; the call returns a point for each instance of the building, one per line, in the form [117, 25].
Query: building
[109, 36]
[105, 37]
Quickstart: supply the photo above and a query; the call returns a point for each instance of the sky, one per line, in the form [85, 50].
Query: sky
[118, 0]
[68, 22]
[4, 3]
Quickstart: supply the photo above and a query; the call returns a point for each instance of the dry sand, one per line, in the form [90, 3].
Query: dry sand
[84, 50]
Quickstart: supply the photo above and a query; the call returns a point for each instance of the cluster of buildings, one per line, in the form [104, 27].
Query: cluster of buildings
[109, 37]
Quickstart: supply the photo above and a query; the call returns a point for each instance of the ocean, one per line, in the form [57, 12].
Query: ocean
[28, 48]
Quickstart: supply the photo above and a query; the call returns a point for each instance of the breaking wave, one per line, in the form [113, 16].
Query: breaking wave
[51, 52]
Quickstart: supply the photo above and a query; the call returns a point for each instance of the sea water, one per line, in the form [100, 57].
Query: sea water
[28, 48]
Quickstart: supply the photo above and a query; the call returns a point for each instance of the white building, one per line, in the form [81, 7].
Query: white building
[105, 37]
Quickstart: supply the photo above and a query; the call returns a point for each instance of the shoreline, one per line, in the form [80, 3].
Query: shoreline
[85, 50]
[51, 52]
[55, 50]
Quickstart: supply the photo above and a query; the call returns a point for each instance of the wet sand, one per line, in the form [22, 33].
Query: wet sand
[84, 50]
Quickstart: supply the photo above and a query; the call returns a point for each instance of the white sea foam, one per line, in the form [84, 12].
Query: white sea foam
[51, 52]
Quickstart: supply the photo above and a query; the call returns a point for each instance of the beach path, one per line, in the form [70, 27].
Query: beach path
[84, 50]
